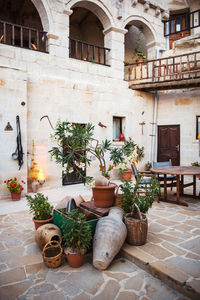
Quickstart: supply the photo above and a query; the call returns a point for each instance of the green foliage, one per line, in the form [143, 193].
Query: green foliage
[142, 195]
[148, 165]
[138, 53]
[195, 164]
[39, 206]
[14, 186]
[75, 142]
[78, 232]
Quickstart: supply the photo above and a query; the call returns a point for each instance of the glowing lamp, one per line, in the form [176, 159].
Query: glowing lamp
[41, 178]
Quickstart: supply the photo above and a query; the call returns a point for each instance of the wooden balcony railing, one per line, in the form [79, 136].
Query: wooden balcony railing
[24, 37]
[182, 23]
[88, 52]
[185, 66]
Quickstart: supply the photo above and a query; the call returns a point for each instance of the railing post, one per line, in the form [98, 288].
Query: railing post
[13, 35]
[21, 36]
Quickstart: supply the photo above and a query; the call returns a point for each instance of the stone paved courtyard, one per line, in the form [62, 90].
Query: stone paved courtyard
[171, 253]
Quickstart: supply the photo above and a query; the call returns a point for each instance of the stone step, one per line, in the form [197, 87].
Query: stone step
[172, 276]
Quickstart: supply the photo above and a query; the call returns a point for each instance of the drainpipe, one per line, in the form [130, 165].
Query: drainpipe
[155, 112]
[154, 127]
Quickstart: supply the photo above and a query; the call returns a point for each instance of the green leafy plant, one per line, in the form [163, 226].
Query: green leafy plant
[142, 195]
[77, 234]
[148, 165]
[39, 206]
[195, 164]
[76, 141]
[138, 53]
[14, 186]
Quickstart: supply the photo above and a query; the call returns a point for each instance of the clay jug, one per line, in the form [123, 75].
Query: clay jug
[46, 233]
[109, 237]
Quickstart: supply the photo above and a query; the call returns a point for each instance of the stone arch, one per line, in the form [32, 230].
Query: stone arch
[96, 7]
[44, 12]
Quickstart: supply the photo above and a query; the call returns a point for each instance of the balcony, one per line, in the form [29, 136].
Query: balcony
[182, 23]
[88, 52]
[24, 37]
[175, 72]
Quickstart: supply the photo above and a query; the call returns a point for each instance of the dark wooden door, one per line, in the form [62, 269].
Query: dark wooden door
[169, 144]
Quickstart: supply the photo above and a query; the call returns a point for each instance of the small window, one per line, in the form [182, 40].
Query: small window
[117, 128]
[197, 127]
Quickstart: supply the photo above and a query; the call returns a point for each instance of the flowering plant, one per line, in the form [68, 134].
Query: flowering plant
[14, 185]
[105, 172]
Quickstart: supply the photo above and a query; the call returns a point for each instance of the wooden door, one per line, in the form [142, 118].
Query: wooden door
[169, 144]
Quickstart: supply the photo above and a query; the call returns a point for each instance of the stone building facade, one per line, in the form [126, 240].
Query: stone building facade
[38, 83]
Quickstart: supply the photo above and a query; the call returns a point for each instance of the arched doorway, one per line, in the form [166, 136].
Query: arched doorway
[20, 25]
[86, 32]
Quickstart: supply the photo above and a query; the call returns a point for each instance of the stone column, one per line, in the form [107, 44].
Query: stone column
[114, 40]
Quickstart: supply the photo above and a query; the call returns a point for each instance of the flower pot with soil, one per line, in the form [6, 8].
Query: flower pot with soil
[77, 238]
[41, 209]
[15, 188]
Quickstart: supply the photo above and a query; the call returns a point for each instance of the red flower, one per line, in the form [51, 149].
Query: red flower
[21, 188]
[11, 184]
[103, 166]
[100, 166]
[23, 181]
[14, 185]
[19, 185]
[9, 180]
[15, 179]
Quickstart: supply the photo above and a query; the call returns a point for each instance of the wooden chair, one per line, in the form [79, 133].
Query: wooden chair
[171, 179]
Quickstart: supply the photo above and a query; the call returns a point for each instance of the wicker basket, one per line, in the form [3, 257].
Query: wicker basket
[137, 228]
[52, 254]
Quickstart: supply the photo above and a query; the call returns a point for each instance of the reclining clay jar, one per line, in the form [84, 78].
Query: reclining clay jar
[109, 237]
[47, 233]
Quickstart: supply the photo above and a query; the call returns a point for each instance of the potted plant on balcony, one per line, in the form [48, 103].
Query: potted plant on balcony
[138, 54]
[15, 188]
[136, 201]
[41, 209]
[77, 238]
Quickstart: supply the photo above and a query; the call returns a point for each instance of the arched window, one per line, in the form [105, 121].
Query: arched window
[20, 25]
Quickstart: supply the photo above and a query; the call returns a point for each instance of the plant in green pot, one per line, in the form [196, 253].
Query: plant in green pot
[77, 238]
[136, 201]
[41, 209]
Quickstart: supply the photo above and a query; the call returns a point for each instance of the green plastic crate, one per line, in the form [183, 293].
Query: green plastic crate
[59, 219]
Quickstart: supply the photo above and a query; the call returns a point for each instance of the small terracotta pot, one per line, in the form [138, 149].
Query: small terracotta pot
[16, 196]
[39, 223]
[127, 175]
[104, 195]
[75, 260]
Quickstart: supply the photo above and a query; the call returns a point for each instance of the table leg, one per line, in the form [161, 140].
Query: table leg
[165, 187]
[182, 184]
[194, 186]
[177, 188]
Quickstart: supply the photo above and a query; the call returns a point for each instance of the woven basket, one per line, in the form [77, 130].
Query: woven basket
[137, 228]
[52, 254]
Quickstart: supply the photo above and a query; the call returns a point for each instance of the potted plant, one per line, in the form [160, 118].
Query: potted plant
[77, 238]
[15, 188]
[41, 209]
[148, 166]
[138, 54]
[136, 201]
[75, 147]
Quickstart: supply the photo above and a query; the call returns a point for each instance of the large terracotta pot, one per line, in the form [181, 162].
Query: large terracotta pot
[15, 196]
[75, 260]
[109, 237]
[39, 223]
[127, 175]
[47, 233]
[104, 195]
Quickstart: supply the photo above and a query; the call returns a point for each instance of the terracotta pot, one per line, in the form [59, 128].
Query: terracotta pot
[127, 175]
[39, 223]
[47, 233]
[75, 260]
[104, 195]
[15, 196]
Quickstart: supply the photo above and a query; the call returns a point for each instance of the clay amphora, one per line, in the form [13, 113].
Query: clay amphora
[109, 237]
[47, 233]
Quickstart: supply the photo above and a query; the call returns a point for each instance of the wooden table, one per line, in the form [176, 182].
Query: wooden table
[179, 171]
